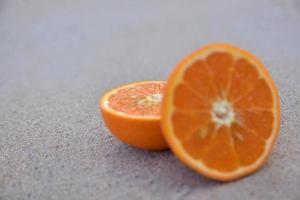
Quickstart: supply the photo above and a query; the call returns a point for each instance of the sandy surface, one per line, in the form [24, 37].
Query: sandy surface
[58, 57]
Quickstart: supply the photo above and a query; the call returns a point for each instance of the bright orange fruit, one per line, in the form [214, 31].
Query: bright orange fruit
[132, 113]
[220, 112]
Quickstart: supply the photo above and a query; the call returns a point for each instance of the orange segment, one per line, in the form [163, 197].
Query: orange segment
[187, 123]
[243, 80]
[260, 121]
[132, 113]
[188, 98]
[224, 159]
[197, 74]
[221, 66]
[260, 96]
[248, 145]
[242, 116]
[197, 143]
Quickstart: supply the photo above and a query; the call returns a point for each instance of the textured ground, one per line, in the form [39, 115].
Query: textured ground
[59, 56]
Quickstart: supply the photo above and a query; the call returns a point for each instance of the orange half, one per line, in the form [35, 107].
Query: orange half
[221, 112]
[132, 113]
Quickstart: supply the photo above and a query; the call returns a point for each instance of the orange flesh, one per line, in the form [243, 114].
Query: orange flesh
[215, 78]
[142, 99]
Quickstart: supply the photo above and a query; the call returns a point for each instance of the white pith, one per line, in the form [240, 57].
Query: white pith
[150, 100]
[222, 113]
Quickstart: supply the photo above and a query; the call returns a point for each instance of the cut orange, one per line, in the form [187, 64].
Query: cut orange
[132, 113]
[220, 112]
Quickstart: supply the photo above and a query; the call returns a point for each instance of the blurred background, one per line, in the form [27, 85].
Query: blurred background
[58, 57]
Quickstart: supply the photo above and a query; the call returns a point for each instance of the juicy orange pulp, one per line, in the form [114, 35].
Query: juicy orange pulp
[221, 112]
[139, 100]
